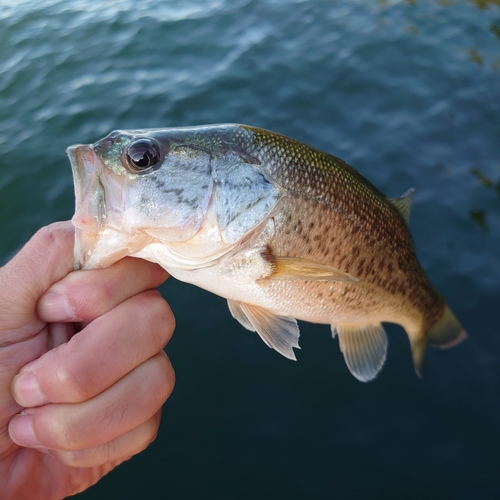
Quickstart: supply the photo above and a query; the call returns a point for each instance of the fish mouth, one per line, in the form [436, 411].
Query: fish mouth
[90, 209]
[90, 201]
[100, 237]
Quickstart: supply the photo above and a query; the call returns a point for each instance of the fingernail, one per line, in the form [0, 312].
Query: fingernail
[27, 391]
[54, 306]
[21, 431]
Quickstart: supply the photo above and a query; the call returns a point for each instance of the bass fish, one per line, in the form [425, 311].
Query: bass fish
[283, 231]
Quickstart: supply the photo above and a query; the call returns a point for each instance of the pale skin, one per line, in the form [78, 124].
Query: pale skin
[83, 374]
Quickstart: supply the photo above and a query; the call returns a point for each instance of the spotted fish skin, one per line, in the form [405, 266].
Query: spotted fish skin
[346, 222]
[282, 230]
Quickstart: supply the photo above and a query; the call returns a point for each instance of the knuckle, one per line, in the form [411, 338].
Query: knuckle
[163, 318]
[59, 430]
[166, 378]
[88, 300]
[156, 378]
[53, 234]
[117, 450]
[47, 234]
[77, 458]
[88, 457]
[71, 385]
[157, 319]
[148, 434]
[157, 275]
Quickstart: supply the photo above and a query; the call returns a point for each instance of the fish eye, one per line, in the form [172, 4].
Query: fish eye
[143, 156]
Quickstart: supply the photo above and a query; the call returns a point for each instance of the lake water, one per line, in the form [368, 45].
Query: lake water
[408, 92]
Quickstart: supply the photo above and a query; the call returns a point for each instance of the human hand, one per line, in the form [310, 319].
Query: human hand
[75, 404]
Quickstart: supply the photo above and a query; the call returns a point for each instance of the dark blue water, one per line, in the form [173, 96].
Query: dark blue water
[408, 92]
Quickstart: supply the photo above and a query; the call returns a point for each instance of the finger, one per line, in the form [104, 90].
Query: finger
[44, 260]
[86, 295]
[69, 427]
[116, 451]
[58, 334]
[98, 356]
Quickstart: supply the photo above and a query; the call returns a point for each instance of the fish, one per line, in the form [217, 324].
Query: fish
[283, 231]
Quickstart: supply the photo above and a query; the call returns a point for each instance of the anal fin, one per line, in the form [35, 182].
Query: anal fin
[364, 348]
[278, 332]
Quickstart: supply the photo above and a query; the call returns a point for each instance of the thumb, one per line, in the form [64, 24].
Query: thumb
[44, 260]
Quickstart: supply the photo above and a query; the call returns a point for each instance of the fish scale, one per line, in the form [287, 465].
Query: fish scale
[344, 191]
[280, 229]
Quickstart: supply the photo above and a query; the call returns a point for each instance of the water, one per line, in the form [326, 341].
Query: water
[408, 92]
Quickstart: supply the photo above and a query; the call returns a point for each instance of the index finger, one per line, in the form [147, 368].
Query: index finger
[99, 355]
[86, 295]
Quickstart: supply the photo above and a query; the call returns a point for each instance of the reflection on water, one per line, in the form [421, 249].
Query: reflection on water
[476, 57]
[485, 180]
[484, 4]
[479, 217]
[481, 4]
[397, 90]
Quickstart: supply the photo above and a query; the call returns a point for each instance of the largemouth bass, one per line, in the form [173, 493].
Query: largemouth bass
[281, 230]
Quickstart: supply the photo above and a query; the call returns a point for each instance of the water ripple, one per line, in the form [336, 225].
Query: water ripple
[406, 91]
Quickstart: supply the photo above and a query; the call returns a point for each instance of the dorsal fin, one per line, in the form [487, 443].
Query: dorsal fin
[403, 204]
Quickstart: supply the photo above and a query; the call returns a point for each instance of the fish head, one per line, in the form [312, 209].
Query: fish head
[165, 194]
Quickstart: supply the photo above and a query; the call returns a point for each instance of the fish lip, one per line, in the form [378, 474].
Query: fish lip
[78, 167]
[80, 156]
[90, 201]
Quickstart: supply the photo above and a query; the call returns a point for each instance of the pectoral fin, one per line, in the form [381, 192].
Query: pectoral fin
[296, 268]
[278, 332]
[364, 348]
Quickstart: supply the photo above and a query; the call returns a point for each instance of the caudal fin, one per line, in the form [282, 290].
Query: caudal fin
[446, 332]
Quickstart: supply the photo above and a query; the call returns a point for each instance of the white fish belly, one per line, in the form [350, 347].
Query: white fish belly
[315, 302]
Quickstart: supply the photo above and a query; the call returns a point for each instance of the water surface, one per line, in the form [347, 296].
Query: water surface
[408, 92]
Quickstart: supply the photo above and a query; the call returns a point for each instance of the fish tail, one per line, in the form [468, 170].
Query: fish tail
[446, 332]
